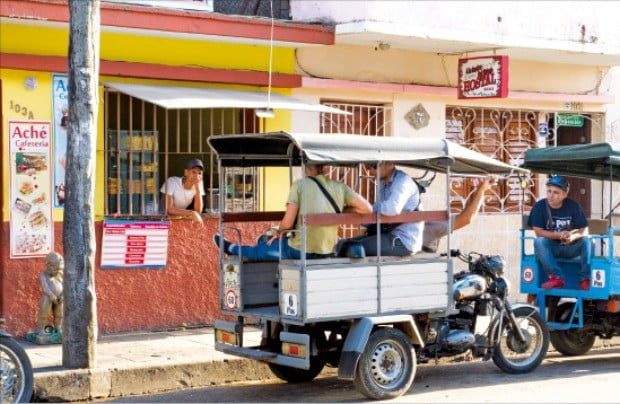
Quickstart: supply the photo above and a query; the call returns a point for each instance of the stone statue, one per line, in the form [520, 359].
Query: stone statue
[51, 301]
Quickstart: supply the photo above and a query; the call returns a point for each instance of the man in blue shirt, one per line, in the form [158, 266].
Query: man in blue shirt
[398, 193]
[561, 228]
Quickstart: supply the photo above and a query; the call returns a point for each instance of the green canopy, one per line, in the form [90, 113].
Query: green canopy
[594, 161]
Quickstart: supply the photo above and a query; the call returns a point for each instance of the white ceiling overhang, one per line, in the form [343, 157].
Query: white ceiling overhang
[192, 97]
[454, 41]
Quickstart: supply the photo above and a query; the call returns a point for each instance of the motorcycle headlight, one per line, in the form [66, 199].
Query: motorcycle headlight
[496, 264]
[500, 287]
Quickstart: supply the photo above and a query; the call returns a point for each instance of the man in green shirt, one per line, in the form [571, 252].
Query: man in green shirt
[320, 240]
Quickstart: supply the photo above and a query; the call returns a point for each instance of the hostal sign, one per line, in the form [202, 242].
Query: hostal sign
[483, 77]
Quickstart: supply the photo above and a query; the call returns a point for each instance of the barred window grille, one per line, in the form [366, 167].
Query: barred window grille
[504, 135]
[367, 120]
[145, 144]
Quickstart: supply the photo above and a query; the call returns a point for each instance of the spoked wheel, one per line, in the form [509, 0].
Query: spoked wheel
[16, 378]
[387, 365]
[515, 356]
[570, 342]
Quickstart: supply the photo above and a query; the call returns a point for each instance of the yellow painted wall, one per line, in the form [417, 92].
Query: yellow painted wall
[53, 41]
[38, 105]
[37, 40]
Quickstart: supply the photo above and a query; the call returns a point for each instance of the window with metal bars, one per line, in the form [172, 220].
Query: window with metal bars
[145, 144]
[504, 135]
[365, 119]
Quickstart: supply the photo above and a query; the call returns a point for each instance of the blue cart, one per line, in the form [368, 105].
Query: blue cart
[576, 317]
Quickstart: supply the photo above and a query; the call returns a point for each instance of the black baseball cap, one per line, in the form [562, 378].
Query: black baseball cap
[195, 163]
[558, 181]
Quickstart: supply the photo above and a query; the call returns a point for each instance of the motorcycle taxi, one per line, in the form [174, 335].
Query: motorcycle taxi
[576, 317]
[373, 317]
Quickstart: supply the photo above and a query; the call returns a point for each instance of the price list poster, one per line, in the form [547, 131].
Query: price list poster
[134, 244]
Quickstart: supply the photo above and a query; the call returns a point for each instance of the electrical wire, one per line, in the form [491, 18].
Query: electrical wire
[270, 54]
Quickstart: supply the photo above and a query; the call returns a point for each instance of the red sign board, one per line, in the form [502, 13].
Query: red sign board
[483, 77]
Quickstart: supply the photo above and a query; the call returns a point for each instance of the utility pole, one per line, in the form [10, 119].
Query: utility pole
[80, 301]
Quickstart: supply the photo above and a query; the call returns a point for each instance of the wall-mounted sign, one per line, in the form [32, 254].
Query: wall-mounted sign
[32, 228]
[543, 129]
[134, 244]
[483, 77]
[60, 98]
[417, 117]
[574, 121]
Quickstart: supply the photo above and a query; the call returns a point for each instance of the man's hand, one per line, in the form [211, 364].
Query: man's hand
[568, 237]
[196, 216]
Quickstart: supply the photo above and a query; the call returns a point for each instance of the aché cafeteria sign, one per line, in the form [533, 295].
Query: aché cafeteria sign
[483, 77]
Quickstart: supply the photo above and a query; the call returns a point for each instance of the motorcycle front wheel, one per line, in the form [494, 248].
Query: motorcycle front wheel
[16, 378]
[514, 356]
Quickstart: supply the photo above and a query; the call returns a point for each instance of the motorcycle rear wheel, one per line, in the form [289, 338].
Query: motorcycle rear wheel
[387, 366]
[16, 378]
[513, 356]
[571, 342]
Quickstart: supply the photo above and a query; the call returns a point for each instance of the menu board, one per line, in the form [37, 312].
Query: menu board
[32, 228]
[134, 244]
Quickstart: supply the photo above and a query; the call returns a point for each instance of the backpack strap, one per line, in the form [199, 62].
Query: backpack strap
[550, 217]
[327, 195]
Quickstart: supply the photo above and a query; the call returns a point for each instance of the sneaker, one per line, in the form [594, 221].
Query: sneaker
[554, 282]
[584, 284]
[227, 244]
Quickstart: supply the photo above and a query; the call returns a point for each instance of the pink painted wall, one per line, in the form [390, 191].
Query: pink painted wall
[184, 293]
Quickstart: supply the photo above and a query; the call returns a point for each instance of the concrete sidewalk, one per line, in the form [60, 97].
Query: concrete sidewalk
[151, 362]
[143, 363]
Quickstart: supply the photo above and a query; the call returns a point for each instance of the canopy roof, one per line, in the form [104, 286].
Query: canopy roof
[282, 148]
[594, 160]
[192, 97]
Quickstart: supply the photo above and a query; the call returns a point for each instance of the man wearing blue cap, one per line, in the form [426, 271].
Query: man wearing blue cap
[184, 194]
[561, 228]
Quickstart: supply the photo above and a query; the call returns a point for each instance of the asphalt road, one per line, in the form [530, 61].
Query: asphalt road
[590, 378]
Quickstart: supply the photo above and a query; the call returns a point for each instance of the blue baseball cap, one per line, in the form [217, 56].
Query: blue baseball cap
[558, 181]
[195, 163]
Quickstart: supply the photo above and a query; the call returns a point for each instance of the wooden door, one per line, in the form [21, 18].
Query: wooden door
[580, 189]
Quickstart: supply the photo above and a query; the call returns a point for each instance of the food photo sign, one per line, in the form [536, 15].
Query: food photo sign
[32, 228]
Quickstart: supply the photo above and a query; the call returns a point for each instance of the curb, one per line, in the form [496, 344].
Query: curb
[62, 385]
[89, 384]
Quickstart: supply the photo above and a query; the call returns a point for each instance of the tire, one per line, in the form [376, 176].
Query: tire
[514, 357]
[387, 365]
[571, 342]
[296, 375]
[16, 378]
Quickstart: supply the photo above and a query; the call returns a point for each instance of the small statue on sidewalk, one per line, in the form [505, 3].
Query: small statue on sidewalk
[51, 302]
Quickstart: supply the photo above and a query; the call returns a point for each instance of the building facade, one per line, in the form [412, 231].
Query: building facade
[222, 63]
[395, 66]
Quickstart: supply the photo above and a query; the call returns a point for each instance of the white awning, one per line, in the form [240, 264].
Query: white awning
[192, 97]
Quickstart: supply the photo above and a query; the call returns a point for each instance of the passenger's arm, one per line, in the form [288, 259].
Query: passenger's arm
[552, 235]
[468, 214]
[288, 221]
[358, 205]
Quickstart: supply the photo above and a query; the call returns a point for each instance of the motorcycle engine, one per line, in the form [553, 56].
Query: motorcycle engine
[469, 287]
[459, 341]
